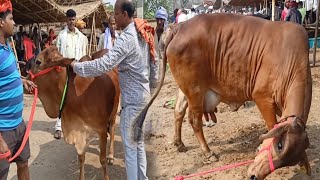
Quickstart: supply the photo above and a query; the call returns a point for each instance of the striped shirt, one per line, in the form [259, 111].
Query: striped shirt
[136, 71]
[11, 90]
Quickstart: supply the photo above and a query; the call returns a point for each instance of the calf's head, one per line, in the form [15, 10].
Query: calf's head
[48, 79]
[49, 57]
[282, 146]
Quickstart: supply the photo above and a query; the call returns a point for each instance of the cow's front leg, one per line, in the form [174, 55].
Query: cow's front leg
[179, 113]
[268, 112]
[103, 154]
[81, 158]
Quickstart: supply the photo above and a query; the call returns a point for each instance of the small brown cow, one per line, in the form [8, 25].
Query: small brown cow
[90, 106]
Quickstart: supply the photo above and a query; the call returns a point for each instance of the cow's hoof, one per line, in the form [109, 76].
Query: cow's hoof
[210, 158]
[209, 123]
[57, 134]
[181, 147]
[110, 161]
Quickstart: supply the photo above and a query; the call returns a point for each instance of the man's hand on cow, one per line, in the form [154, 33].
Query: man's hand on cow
[72, 64]
[29, 86]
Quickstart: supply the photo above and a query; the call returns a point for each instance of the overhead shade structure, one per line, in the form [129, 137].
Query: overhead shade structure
[244, 2]
[41, 11]
[72, 2]
[86, 11]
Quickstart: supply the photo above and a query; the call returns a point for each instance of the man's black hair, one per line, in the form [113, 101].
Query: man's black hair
[71, 13]
[4, 15]
[105, 24]
[128, 6]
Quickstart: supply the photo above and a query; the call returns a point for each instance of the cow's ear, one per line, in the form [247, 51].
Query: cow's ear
[276, 132]
[64, 62]
[304, 162]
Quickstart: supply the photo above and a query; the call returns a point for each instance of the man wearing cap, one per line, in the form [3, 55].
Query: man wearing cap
[161, 16]
[294, 14]
[285, 10]
[12, 126]
[71, 43]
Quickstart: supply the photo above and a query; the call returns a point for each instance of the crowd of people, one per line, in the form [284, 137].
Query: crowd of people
[290, 10]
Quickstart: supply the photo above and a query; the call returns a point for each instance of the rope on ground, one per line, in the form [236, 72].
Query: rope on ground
[222, 168]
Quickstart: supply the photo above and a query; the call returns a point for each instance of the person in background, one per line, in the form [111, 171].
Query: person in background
[303, 12]
[19, 44]
[192, 14]
[162, 22]
[108, 38]
[294, 14]
[182, 16]
[71, 43]
[29, 51]
[278, 11]
[174, 16]
[285, 10]
[52, 36]
[36, 40]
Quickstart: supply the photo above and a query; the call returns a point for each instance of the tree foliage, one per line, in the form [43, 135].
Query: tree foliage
[183, 3]
[150, 7]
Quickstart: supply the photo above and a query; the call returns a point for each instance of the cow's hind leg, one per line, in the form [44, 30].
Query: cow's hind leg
[111, 146]
[81, 158]
[103, 154]
[179, 113]
[195, 119]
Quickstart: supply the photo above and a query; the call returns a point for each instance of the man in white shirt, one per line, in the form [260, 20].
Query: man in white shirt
[108, 38]
[71, 43]
[183, 16]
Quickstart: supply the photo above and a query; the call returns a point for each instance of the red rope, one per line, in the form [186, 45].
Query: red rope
[222, 168]
[27, 133]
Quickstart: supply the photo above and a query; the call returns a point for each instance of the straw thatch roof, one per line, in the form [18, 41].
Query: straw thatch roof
[72, 2]
[36, 11]
[52, 11]
[86, 11]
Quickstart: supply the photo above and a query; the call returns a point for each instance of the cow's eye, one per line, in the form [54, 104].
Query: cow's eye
[280, 147]
[38, 62]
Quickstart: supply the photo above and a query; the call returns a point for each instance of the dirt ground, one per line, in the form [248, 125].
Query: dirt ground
[234, 139]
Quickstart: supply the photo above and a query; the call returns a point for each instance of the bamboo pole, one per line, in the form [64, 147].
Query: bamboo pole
[273, 9]
[94, 40]
[15, 53]
[91, 36]
[266, 6]
[316, 36]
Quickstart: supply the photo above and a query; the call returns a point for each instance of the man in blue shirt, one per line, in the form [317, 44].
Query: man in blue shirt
[12, 126]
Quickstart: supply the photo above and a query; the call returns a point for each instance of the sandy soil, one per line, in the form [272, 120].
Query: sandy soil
[234, 139]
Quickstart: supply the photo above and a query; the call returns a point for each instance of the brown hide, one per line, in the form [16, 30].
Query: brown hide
[90, 105]
[232, 59]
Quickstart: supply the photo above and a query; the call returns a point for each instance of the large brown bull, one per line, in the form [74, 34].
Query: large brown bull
[232, 59]
[90, 103]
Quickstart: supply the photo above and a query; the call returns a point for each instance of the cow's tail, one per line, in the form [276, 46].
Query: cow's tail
[137, 127]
